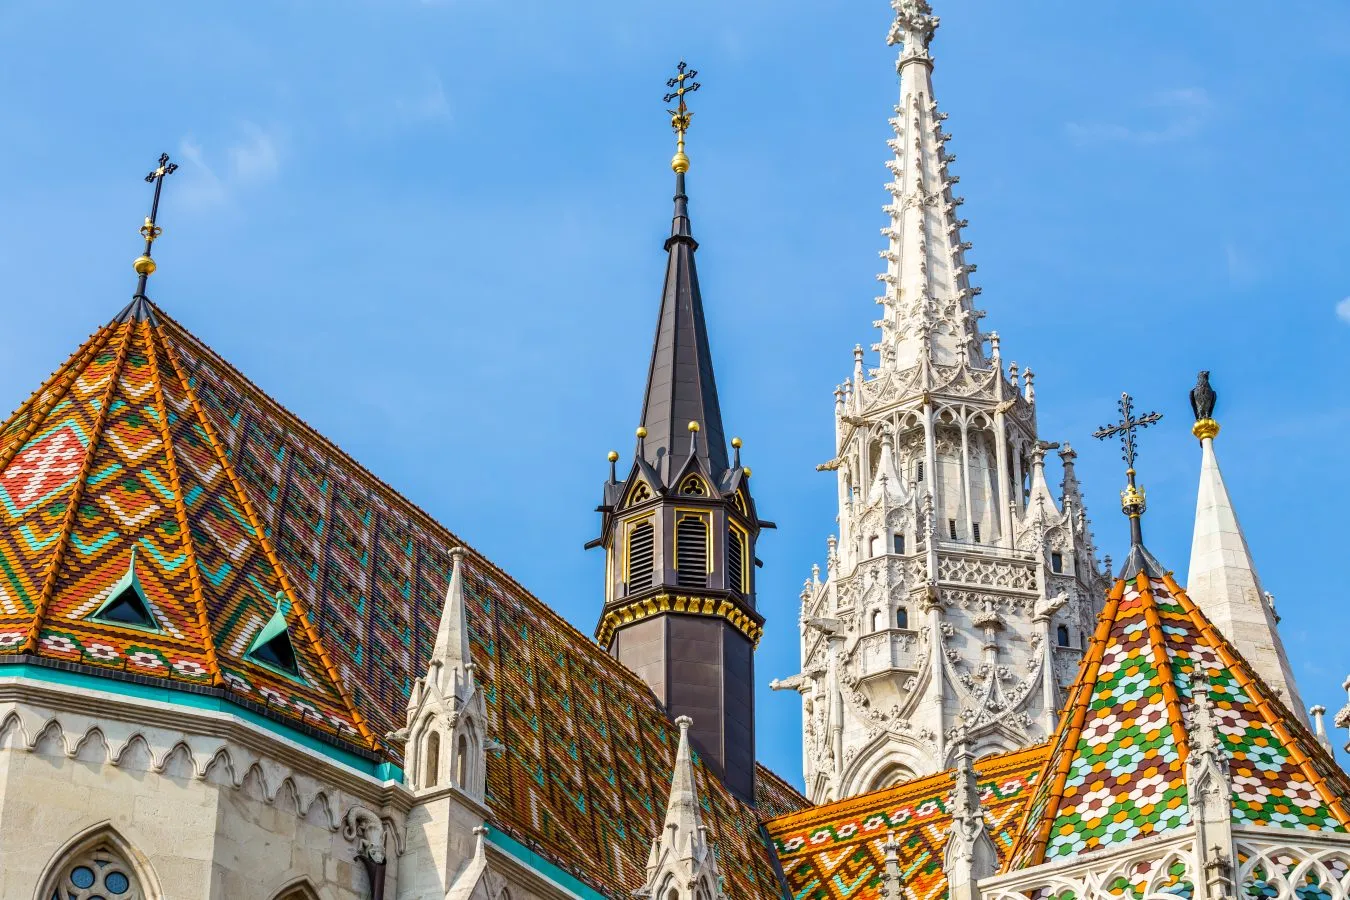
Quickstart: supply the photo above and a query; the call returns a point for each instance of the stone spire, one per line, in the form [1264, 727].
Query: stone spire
[1222, 579]
[451, 651]
[928, 311]
[945, 508]
[681, 859]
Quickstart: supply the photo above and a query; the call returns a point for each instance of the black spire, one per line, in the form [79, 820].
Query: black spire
[680, 383]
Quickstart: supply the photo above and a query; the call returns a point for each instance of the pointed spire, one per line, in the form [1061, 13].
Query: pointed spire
[1222, 579]
[451, 651]
[929, 315]
[969, 854]
[680, 384]
[681, 855]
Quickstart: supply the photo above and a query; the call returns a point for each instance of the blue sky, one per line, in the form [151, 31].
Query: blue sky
[433, 230]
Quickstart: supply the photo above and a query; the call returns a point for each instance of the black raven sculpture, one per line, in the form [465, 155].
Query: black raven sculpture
[1203, 398]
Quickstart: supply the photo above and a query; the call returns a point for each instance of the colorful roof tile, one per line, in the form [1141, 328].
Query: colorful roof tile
[1116, 772]
[836, 852]
[147, 439]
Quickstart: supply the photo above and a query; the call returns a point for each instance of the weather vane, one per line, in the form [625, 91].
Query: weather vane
[683, 83]
[144, 264]
[1132, 498]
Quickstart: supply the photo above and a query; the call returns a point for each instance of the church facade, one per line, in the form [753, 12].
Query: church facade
[235, 664]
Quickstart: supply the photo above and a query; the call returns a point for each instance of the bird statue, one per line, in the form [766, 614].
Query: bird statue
[1203, 398]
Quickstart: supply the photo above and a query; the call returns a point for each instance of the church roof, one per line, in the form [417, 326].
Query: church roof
[1116, 772]
[145, 438]
[835, 851]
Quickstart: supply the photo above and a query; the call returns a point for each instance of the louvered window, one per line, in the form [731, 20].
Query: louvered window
[736, 580]
[975, 532]
[641, 556]
[691, 552]
[951, 528]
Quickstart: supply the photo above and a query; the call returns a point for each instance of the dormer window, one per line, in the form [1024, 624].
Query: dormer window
[272, 648]
[126, 603]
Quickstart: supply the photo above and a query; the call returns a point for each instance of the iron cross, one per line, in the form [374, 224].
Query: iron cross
[146, 265]
[683, 83]
[1126, 428]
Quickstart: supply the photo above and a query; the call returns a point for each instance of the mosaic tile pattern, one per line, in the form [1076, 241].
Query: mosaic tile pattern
[230, 498]
[835, 852]
[1116, 772]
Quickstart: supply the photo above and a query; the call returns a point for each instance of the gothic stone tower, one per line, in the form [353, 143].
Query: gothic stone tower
[960, 591]
[679, 532]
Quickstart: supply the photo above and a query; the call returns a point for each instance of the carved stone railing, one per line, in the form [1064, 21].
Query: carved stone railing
[1162, 868]
[887, 651]
[978, 570]
[1292, 863]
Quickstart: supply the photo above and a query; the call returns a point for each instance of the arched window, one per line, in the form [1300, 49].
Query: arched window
[93, 873]
[902, 618]
[876, 620]
[1062, 635]
[736, 554]
[433, 765]
[462, 761]
[873, 546]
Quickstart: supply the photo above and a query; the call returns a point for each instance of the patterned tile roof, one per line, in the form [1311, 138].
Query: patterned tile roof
[146, 438]
[1116, 771]
[834, 851]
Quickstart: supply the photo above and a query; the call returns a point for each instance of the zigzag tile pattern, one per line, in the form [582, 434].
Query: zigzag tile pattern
[835, 851]
[120, 463]
[1116, 773]
[228, 499]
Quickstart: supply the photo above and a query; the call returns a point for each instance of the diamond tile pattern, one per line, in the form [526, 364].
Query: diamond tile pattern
[1116, 772]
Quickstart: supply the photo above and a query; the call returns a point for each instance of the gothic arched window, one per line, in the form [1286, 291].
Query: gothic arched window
[1062, 635]
[433, 765]
[902, 618]
[876, 620]
[94, 873]
[462, 761]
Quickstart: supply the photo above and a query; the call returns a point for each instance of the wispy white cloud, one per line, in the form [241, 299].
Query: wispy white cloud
[1343, 310]
[1166, 117]
[251, 157]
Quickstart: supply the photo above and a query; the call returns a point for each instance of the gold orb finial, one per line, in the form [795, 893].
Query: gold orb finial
[641, 432]
[746, 470]
[693, 426]
[737, 443]
[679, 162]
[613, 456]
[144, 265]
[1205, 428]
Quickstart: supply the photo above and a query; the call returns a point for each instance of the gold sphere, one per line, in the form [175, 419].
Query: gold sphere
[679, 162]
[693, 426]
[613, 456]
[736, 443]
[144, 265]
[641, 432]
[746, 470]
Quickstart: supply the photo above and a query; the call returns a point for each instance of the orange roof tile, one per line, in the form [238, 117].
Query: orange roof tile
[835, 852]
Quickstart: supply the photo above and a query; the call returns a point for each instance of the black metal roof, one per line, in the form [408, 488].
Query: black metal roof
[680, 384]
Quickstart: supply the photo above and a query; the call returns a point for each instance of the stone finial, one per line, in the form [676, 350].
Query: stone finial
[892, 884]
[681, 855]
[1318, 712]
[969, 854]
[913, 27]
